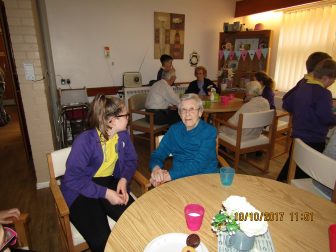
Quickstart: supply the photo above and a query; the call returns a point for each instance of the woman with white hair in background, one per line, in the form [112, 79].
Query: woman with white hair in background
[254, 103]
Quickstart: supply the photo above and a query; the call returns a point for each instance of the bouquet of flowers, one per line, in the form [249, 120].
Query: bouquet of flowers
[239, 214]
[225, 74]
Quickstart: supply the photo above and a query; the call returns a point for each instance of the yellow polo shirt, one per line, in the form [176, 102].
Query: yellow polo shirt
[110, 154]
[311, 80]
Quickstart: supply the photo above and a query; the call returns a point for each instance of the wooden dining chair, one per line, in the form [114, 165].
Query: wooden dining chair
[20, 225]
[57, 165]
[236, 142]
[136, 106]
[282, 129]
[316, 165]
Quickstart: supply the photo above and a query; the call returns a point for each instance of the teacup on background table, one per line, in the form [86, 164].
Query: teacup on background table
[194, 216]
[206, 104]
[226, 175]
[225, 100]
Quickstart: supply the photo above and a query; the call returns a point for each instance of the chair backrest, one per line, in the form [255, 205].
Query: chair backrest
[317, 165]
[257, 119]
[137, 102]
[57, 162]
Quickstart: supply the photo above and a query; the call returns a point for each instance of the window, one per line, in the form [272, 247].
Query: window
[303, 32]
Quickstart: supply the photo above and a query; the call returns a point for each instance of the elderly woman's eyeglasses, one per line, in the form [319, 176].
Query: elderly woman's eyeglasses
[190, 111]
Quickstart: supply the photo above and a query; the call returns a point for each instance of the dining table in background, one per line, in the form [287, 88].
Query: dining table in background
[221, 110]
[300, 223]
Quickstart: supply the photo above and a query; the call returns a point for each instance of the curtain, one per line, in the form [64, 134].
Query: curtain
[302, 33]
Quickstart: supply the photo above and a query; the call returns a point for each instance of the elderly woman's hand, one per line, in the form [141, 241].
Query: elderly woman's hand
[159, 176]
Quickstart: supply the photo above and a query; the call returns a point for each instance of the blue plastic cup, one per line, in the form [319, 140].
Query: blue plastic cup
[226, 175]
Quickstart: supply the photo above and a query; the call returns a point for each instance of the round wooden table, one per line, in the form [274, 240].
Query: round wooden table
[219, 108]
[160, 211]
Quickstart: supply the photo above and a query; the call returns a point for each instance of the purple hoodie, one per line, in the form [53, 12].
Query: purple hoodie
[86, 157]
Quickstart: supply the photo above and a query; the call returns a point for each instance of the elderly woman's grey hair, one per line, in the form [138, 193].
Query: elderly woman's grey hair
[253, 88]
[191, 96]
[168, 74]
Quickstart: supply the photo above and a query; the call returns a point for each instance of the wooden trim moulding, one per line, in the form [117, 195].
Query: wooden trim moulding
[112, 90]
[248, 7]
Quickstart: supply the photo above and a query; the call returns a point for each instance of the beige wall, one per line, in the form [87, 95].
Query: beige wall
[79, 29]
[24, 37]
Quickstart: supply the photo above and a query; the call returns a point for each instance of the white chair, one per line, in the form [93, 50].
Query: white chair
[316, 165]
[57, 165]
[281, 131]
[238, 145]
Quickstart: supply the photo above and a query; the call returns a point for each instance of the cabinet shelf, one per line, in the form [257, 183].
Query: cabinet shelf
[245, 52]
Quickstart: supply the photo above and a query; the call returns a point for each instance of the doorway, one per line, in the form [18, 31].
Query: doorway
[12, 96]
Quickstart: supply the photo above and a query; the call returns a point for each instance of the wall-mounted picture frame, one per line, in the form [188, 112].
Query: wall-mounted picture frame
[246, 44]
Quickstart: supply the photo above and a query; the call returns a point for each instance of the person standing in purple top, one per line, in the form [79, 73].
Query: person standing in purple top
[310, 103]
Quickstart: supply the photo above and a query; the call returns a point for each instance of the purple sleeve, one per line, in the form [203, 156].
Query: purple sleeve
[80, 170]
[324, 110]
[128, 159]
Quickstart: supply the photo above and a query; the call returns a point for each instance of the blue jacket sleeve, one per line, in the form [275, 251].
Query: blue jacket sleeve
[78, 174]
[204, 162]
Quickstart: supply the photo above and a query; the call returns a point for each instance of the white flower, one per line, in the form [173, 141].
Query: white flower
[236, 204]
[254, 227]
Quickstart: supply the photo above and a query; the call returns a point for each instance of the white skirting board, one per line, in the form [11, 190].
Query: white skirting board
[42, 185]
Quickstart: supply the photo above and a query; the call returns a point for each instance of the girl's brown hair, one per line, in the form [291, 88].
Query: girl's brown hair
[101, 110]
[264, 79]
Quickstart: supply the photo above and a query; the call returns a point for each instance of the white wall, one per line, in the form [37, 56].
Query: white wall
[79, 29]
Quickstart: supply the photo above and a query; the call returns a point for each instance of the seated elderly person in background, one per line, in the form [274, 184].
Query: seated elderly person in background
[201, 85]
[254, 103]
[162, 100]
[192, 143]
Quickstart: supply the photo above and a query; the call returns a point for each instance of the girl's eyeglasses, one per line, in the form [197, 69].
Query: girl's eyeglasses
[126, 115]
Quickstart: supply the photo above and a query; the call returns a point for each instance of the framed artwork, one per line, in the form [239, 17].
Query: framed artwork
[246, 44]
[169, 34]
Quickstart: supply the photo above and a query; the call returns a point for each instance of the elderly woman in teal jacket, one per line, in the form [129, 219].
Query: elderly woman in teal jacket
[192, 143]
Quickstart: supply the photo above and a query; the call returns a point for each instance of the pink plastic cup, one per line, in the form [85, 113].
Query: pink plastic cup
[332, 237]
[225, 100]
[194, 216]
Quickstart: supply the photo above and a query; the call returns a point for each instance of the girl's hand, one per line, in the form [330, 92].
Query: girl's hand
[113, 197]
[5, 214]
[122, 189]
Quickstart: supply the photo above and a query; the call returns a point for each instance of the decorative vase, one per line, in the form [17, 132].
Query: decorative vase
[240, 241]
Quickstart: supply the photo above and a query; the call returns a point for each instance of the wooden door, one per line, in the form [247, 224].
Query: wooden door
[12, 81]
[4, 64]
